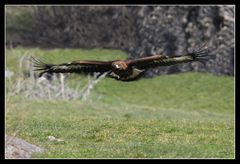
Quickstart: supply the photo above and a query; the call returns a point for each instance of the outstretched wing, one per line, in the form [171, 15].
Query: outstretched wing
[160, 60]
[80, 66]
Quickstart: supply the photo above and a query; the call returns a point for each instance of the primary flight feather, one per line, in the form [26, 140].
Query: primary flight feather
[124, 70]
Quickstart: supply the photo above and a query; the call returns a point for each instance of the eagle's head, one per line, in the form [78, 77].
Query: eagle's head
[120, 65]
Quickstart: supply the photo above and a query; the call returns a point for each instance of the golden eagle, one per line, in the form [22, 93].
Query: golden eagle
[124, 70]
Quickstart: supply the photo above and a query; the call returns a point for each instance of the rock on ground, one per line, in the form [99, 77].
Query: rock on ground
[18, 148]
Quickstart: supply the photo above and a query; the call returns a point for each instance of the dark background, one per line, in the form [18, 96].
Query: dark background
[138, 30]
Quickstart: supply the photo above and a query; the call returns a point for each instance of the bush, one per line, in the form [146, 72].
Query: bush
[51, 87]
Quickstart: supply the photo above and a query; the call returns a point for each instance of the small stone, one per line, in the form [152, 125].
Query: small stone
[51, 138]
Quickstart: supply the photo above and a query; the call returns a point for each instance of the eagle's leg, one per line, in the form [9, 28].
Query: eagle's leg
[137, 72]
[113, 75]
[134, 75]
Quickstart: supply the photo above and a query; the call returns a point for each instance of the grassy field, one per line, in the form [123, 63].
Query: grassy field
[187, 115]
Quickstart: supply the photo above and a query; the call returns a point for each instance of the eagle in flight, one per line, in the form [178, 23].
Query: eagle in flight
[124, 70]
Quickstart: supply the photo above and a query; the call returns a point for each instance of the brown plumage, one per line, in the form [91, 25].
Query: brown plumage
[124, 70]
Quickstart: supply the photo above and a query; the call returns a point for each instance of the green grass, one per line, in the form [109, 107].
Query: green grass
[186, 115]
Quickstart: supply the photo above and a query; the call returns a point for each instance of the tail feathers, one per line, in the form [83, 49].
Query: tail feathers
[41, 66]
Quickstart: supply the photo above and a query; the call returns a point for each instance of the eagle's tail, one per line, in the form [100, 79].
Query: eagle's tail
[41, 66]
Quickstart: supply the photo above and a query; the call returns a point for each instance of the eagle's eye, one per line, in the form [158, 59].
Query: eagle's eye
[117, 66]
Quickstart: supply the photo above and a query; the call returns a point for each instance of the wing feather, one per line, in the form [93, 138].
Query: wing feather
[87, 67]
[160, 60]
[147, 62]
